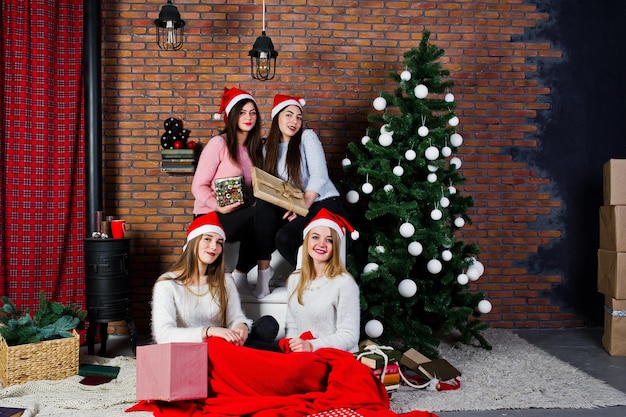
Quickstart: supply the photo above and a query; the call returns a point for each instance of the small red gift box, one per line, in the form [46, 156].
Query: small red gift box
[172, 371]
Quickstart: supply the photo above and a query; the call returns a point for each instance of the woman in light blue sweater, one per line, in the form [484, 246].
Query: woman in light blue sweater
[295, 155]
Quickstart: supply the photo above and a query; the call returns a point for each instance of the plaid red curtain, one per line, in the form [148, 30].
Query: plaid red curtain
[42, 189]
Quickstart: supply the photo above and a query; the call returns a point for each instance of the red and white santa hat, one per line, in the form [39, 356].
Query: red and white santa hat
[231, 97]
[207, 223]
[327, 218]
[281, 101]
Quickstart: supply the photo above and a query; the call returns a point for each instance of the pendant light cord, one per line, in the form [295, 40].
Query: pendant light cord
[264, 16]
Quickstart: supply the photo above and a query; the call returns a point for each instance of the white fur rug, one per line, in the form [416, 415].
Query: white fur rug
[514, 375]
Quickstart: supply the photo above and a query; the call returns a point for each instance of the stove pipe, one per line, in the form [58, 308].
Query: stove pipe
[93, 110]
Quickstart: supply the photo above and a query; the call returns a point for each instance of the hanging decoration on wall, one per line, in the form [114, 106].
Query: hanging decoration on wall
[263, 56]
[169, 27]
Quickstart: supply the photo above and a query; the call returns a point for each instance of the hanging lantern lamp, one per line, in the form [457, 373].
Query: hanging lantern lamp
[169, 27]
[263, 56]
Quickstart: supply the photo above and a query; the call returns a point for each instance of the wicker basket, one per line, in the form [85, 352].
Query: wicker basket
[51, 359]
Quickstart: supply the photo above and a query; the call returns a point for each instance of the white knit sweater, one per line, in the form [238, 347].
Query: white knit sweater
[180, 316]
[330, 311]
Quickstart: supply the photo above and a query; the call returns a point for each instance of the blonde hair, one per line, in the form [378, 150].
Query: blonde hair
[186, 267]
[334, 266]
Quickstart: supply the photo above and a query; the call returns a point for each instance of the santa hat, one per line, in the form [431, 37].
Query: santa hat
[327, 218]
[207, 223]
[231, 97]
[281, 101]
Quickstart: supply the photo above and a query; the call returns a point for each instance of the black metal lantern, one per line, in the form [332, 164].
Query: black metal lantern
[263, 56]
[169, 28]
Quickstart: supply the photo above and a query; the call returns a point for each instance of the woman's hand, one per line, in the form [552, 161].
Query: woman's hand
[229, 208]
[289, 215]
[298, 345]
[233, 336]
[242, 330]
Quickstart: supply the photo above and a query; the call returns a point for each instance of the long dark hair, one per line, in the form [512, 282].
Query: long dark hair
[293, 153]
[253, 142]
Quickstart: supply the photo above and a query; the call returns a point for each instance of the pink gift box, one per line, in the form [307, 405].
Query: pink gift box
[172, 371]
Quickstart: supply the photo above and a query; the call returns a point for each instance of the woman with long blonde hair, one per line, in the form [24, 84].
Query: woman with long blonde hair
[323, 299]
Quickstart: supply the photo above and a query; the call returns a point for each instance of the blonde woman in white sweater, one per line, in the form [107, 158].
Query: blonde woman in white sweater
[196, 300]
[323, 306]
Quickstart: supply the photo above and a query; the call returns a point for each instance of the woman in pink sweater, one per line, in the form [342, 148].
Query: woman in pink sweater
[232, 154]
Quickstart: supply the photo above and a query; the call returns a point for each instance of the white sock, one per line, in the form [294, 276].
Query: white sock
[263, 282]
[241, 281]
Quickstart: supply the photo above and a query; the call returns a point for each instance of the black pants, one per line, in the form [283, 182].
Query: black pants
[239, 227]
[272, 232]
[263, 334]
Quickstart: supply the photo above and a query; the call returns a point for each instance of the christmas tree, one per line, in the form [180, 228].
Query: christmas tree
[412, 270]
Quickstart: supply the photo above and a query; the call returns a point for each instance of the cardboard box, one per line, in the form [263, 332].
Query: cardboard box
[278, 192]
[614, 173]
[614, 337]
[612, 273]
[172, 371]
[613, 228]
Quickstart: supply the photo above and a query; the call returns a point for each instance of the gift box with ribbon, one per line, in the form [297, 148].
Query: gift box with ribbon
[278, 192]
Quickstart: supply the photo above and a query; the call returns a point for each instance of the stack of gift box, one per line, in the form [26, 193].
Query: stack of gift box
[612, 256]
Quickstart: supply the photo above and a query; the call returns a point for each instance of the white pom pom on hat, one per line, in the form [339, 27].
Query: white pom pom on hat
[281, 101]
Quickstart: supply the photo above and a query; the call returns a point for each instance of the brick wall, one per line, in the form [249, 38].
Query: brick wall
[336, 54]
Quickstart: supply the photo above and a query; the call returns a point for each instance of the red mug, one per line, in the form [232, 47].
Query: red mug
[117, 228]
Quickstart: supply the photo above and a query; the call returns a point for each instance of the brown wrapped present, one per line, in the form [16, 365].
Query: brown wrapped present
[229, 191]
[278, 192]
[614, 337]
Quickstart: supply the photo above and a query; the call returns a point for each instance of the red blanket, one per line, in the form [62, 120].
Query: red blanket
[250, 382]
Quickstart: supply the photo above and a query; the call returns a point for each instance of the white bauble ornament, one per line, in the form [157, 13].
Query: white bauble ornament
[431, 153]
[380, 249]
[380, 103]
[432, 178]
[373, 329]
[478, 265]
[434, 266]
[415, 248]
[370, 267]
[459, 222]
[407, 229]
[449, 98]
[472, 273]
[367, 188]
[385, 129]
[388, 188]
[385, 139]
[407, 288]
[456, 161]
[452, 190]
[456, 140]
[432, 168]
[436, 214]
[454, 121]
[446, 151]
[365, 139]
[462, 279]
[446, 255]
[352, 197]
[405, 75]
[484, 306]
[444, 202]
[398, 170]
[410, 155]
[345, 162]
[423, 131]
[420, 91]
